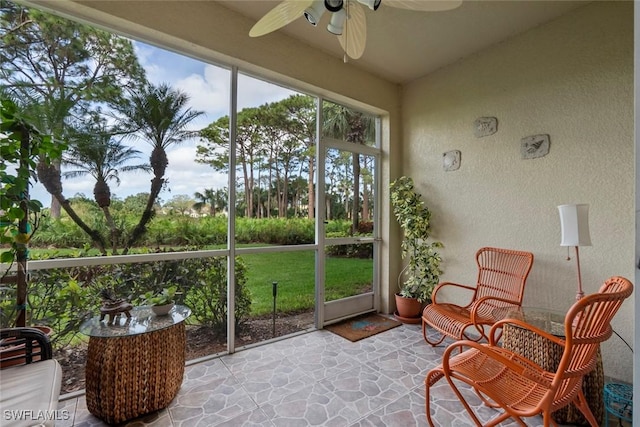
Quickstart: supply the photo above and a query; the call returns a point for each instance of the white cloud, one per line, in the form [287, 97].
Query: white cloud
[208, 92]
[253, 92]
[186, 176]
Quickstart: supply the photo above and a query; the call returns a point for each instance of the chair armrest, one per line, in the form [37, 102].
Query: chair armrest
[450, 284]
[34, 344]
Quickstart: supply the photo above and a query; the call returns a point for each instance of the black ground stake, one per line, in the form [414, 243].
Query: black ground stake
[275, 294]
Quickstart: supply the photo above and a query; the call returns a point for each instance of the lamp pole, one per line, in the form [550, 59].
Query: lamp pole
[580, 293]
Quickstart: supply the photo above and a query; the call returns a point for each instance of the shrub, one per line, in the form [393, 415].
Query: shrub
[275, 231]
[207, 298]
[63, 298]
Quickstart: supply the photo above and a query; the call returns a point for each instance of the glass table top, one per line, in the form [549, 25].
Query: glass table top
[547, 320]
[142, 320]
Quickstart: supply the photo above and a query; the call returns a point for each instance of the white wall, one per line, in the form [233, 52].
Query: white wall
[636, 359]
[572, 79]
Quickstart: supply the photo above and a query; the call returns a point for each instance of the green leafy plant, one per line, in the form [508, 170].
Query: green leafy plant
[207, 297]
[22, 149]
[423, 266]
[166, 296]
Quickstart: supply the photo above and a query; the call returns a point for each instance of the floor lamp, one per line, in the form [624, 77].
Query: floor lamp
[574, 224]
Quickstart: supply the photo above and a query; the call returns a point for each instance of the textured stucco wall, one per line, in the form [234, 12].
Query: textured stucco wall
[572, 79]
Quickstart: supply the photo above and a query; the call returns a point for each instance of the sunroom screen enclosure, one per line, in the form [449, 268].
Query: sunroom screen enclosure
[266, 154]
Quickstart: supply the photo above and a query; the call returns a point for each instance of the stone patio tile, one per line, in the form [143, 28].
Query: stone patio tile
[407, 411]
[255, 418]
[313, 405]
[403, 367]
[268, 381]
[210, 398]
[360, 391]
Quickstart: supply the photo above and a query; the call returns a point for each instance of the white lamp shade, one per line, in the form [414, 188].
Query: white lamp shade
[574, 224]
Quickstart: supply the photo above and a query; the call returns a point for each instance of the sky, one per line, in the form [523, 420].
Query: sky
[208, 89]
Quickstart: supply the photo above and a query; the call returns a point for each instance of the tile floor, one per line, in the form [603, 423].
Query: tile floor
[317, 378]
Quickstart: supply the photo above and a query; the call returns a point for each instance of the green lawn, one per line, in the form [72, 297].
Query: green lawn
[294, 272]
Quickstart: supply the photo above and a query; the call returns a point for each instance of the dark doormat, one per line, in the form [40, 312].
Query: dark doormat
[363, 326]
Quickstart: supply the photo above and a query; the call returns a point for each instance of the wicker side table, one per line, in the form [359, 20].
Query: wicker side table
[547, 354]
[135, 366]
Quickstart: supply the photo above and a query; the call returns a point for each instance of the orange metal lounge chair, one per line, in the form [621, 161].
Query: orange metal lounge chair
[502, 275]
[505, 380]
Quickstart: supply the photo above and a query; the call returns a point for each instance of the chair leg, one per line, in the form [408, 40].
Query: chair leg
[464, 402]
[581, 403]
[494, 421]
[424, 334]
[427, 403]
[433, 376]
[547, 420]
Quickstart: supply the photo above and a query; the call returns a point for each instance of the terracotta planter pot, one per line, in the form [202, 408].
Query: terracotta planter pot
[408, 308]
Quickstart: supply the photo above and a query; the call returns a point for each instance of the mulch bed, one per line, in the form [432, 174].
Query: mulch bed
[201, 341]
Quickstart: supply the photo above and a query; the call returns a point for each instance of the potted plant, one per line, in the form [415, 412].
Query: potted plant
[422, 272]
[161, 302]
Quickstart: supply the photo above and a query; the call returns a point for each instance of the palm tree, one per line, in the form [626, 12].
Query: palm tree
[352, 126]
[45, 116]
[97, 154]
[159, 115]
[65, 68]
[216, 199]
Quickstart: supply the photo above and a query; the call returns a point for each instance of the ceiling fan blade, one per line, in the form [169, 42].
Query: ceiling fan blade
[354, 37]
[284, 13]
[424, 5]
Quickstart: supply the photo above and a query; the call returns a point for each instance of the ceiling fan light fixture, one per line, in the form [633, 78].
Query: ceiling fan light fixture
[371, 4]
[333, 5]
[336, 25]
[315, 12]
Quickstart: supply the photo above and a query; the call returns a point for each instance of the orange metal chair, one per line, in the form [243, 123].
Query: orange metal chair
[504, 379]
[502, 275]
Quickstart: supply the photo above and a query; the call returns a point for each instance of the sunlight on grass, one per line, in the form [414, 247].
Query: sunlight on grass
[294, 272]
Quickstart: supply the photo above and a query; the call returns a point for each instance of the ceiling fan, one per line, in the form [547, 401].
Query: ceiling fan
[348, 20]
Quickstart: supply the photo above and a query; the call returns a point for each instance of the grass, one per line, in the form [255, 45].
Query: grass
[295, 274]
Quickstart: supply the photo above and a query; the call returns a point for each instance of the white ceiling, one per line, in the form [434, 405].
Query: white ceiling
[403, 45]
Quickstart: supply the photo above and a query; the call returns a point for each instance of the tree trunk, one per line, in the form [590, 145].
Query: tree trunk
[159, 164]
[21, 249]
[311, 189]
[50, 178]
[55, 207]
[355, 215]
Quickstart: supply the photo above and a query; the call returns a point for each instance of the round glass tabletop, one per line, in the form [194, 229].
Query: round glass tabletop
[142, 320]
